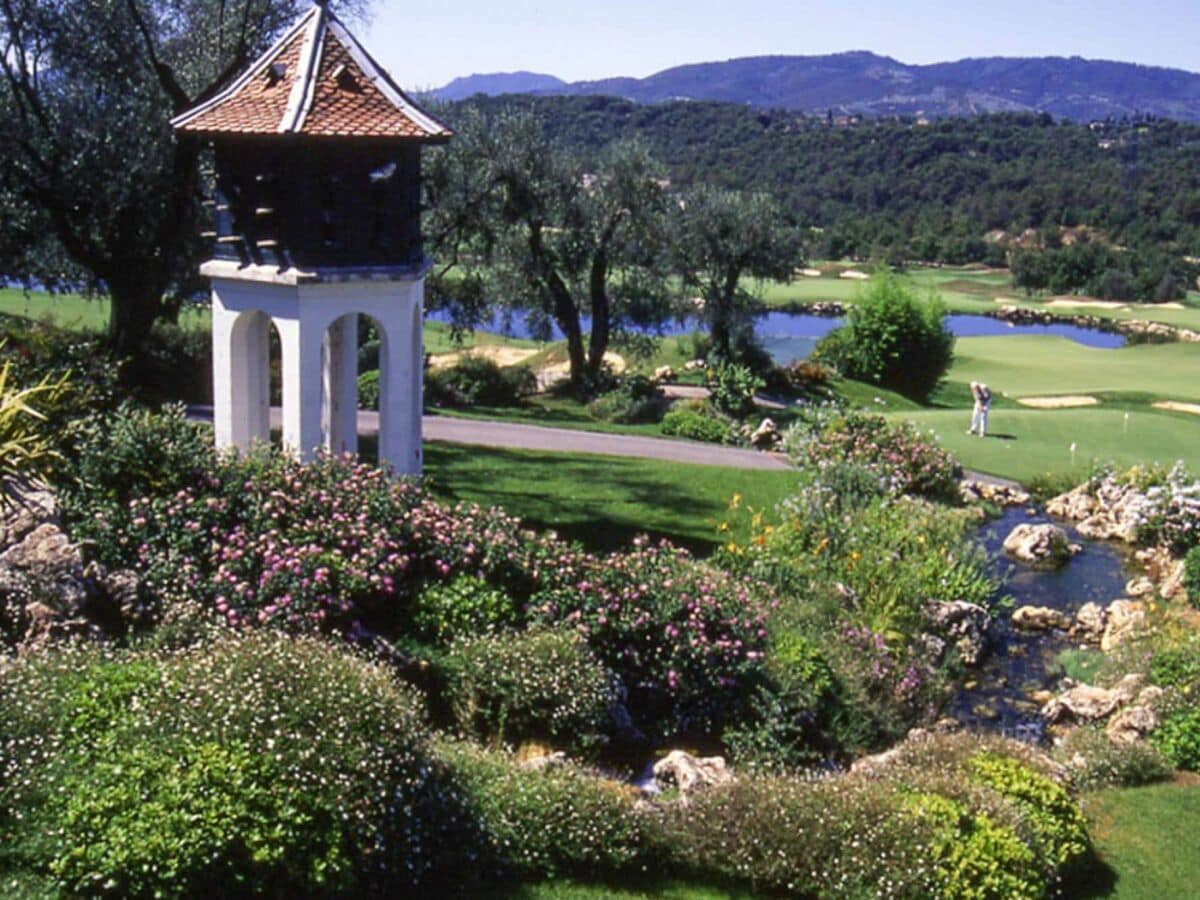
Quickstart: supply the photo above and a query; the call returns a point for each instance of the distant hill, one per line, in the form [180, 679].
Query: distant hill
[868, 84]
[501, 83]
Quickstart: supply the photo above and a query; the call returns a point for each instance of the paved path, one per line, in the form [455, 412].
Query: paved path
[559, 440]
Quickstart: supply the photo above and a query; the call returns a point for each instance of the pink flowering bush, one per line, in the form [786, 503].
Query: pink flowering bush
[687, 639]
[907, 462]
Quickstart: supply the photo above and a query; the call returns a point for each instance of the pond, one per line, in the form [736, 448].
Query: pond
[790, 336]
[1020, 662]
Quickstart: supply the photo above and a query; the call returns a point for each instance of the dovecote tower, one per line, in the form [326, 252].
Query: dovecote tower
[317, 211]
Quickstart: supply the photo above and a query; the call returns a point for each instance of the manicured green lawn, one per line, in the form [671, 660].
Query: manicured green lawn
[552, 412]
[602, 501]
[1032, 365]
[1147, 840]
[74, 312]
[1023, 443]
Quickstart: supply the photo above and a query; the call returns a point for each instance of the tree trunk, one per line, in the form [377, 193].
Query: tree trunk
[601, 312]
[136, 303]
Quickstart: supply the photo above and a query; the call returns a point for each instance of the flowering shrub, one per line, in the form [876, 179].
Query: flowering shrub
[898, 454]
[1096, 761]
[553, 822]
[903, 831]
[541, 685]
[1172, 518]
[465, 606]
[257, 764]
[686, 639]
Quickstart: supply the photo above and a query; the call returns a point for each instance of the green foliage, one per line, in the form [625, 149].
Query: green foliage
[892, 338]
[1191, 575]
[544, 685]
[368, 389]
[26, 453]
[720, 237]
[548, 823]
[635, 399]
[695, 425]
[252, 764]
[1178, 737]
[1058, 830]
[466, 606]
[175, 364]
[478, 381]
[1096, 761]
[733, 388]
[131, 453]
[975, 857]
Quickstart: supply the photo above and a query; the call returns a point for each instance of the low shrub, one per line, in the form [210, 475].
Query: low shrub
[558, 821]
[800, 378]
[909, 462]
[368, 389]
[27, 455]
[464, 607]
[892, 338]
[539, 685]
[1177, 662]
[1178, 738]
[696, 426]
[252, 765]
[131, 453]
[478, 381]
[636, 399]
[1098, 762]
[175, 364]
[686, 639]
[1191, 576]
[733, 387]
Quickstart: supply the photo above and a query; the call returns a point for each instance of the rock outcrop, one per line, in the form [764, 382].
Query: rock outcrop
[1044, 545]
[964, 625]
[987, 492]
[689, 773]
[1040, 618]
[766, 436]
[1124, 620]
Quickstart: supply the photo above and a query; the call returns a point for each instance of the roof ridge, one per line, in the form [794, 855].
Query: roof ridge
[301, 97]
[258, 66]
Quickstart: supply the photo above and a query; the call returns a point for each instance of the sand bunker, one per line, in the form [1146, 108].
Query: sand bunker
[1065, 402]
[810, 273]
[1096, 304]
[1175, 406]
[499, 354]
[854, 275]
[549, 374]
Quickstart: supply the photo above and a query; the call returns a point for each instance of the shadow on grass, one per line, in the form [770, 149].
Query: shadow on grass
[1091, 878]
[602, 502]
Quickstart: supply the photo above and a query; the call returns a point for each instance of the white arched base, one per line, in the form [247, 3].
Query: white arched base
[316, 318]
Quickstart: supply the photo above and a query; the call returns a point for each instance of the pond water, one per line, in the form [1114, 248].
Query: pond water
[1022, 661]
[791, 336]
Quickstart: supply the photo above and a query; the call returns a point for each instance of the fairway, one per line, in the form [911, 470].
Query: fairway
[76, 313]
[1030, 365]
[1022, 443]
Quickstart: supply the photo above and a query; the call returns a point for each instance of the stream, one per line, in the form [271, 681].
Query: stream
[1018, 661]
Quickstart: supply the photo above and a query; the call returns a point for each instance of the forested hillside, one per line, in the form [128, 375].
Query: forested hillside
[954, 190]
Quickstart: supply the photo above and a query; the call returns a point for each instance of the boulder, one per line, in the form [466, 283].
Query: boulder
[1125, 619]
[963, 624]
[972, 491]
[1082, 703]
[664, 373]
[690, 773]
[1131, 724]
[1040, 618]
[1090, 620]
[1076, 504]
[766, 436]
[1039, 545]
[1139, 587]
[23, 509]
[695, 365]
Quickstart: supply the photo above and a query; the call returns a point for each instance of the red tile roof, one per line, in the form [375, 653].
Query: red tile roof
[317, 80]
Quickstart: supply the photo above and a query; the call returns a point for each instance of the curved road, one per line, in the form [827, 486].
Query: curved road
[490, 433]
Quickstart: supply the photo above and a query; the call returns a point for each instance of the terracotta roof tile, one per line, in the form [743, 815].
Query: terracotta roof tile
[349, 95]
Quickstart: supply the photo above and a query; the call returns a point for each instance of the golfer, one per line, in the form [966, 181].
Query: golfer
[983, 403]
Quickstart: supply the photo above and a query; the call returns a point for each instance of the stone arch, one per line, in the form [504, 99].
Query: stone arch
[340, 370]
[248, 346]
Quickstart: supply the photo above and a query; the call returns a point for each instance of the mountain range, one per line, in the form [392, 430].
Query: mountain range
[869, 84]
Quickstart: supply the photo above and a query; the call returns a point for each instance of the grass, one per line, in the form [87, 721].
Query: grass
[602, 501]
[77, 313]
[1146, 840]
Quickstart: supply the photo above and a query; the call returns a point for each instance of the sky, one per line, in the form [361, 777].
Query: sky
[427, 44]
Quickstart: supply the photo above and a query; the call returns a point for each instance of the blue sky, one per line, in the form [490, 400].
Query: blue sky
[425, 44]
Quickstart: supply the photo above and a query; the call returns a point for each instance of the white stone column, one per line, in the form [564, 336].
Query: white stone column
[223, 373]
[417, 342]
[340, 386]
[397, 445]
[303, 383]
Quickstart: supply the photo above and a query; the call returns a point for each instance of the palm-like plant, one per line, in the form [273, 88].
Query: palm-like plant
[26, 453]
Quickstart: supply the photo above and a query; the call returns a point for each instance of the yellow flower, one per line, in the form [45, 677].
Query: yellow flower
[735, 501]
[855, 555]
[724, 526]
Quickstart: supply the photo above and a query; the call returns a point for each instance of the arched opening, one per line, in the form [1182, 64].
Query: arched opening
[354, 362]
[255, 378]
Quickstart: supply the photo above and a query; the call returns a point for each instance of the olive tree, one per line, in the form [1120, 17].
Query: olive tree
[95, 192]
